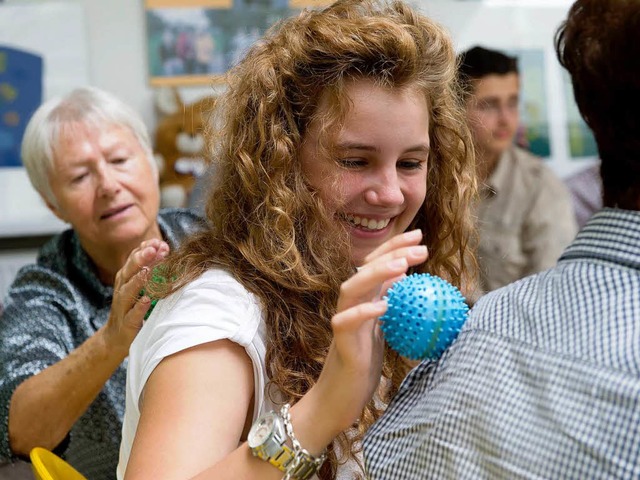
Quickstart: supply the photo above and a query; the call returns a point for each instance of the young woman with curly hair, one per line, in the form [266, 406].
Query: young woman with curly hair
[343, 155]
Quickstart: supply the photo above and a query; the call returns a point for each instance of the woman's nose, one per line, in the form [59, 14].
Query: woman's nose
[385, 189]
[107, 183]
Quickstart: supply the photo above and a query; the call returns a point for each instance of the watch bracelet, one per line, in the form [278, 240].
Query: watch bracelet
[276, 452]
[303, 465]
[281, 462]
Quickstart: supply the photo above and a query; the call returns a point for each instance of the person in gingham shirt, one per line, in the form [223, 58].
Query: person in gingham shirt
[544, 380]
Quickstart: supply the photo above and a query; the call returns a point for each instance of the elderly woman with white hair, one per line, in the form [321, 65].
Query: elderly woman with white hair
[70, 318]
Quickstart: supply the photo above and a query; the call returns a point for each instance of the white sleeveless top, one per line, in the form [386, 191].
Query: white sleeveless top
[213, 307]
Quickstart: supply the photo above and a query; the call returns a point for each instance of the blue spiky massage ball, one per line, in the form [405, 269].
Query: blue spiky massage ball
[425, 314]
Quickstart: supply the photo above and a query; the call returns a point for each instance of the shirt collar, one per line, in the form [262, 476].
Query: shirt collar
[610, 235]
[498, 176]
[168, 234]
[88, 272]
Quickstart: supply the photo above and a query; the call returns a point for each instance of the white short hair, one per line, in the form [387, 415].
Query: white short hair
[87, 105]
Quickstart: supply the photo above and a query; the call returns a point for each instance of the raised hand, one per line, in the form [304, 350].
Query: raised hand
[128, 308]
[353, 365]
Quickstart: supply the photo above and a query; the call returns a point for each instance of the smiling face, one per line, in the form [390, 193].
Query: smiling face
[492, 112]
[105, 188]
[377, 180]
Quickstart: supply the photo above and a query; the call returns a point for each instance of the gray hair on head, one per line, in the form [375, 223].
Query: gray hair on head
[88, 106]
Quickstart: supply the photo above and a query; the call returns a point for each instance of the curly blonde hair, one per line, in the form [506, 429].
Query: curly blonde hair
[266, 224]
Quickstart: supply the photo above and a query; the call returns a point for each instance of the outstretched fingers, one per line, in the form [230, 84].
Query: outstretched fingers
[365, 284]
[129, 307]
[353, 365]
[403, 240]
[147, 254]
[130, 293]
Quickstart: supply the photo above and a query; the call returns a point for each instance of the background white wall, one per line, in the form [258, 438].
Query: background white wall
[116, 51]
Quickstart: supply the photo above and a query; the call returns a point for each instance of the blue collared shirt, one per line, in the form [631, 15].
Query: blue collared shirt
[543, 382]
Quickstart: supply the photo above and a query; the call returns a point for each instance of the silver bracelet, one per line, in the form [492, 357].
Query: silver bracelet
[303, 465]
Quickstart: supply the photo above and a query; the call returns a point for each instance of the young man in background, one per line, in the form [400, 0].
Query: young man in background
[544, 379]
[525, 213]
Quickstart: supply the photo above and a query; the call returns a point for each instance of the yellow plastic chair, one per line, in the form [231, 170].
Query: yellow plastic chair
[47, 465]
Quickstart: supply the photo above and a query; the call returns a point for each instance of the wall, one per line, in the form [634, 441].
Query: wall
[117, 53]
[503, 24]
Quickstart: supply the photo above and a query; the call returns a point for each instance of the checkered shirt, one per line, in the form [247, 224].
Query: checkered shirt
[543, 382]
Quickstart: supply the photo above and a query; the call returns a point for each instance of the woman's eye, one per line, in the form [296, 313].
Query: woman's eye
[410, 164]
[352, 162]
[119, 160]
[78, 178]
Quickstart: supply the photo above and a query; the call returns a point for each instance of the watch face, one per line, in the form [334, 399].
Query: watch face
[262, 430]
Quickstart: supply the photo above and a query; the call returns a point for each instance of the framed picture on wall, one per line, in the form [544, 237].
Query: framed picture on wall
[534, 132]
[194, 42]
[581, 140]
[42, 55]
[21, 82]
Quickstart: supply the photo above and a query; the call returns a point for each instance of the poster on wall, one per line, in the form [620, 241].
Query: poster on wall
[20, 96]
[534, 124]
[42, 55]
[581, 140]
[191, 42]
